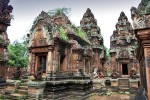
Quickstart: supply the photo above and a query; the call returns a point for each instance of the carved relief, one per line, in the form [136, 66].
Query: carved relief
[39, 50]
[124, 54]
[139, 22]
[148, 21]
[39, 38]
[5, 11]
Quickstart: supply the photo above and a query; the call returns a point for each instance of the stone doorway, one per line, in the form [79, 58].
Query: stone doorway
[62, 62]
[42, 62]
[124, 69]
[62, 58]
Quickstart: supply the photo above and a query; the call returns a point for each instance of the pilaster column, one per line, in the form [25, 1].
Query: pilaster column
[147, 65]
[36, 64]
[55, 59]
[30, 63]
[50, 62]
[89, 64]
[84, 66]
[33, 64]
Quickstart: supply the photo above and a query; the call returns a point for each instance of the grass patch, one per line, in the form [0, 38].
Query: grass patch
[63, 34]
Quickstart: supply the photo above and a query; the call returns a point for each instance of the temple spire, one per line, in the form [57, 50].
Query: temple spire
[123, 23]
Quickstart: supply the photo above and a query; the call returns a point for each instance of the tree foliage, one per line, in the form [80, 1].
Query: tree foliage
[107, 52]
[18, 54]
[63, 34]
[64, 10]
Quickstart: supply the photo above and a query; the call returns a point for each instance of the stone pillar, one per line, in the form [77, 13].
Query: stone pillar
[89, 64]
[118, 67]
[30, 63]
[68, 59]
[49, 62]
[36, 64]
[84, 66]
[55, 59]
[33, 64]
[147, 65]
[142, 32]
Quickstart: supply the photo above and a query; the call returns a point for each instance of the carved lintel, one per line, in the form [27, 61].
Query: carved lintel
[37, 50]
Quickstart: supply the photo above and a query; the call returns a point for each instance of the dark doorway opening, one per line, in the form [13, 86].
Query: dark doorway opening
[124, 69]
[62, 65]
[43, 63]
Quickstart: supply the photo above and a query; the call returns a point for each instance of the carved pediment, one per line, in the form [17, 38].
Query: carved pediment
[61, 19]
[75, 44]
[140, 15]
[39, 38]
[123, 54]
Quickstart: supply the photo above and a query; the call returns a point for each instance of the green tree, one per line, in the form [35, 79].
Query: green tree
[18, 54]
[65, 10]
[107, 52]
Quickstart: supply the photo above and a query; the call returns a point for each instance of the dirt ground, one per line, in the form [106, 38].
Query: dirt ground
[114, 96]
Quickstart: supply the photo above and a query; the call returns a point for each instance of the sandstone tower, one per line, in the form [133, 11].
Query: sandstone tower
[123, 44]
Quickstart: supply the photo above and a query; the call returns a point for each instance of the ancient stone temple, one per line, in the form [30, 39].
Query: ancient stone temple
[5, 19]
[90, 27]
[58, 46]
[141, 23]
[123, 44]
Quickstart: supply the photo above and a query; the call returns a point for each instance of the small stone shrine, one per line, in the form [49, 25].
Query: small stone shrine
[123, 44]
[62, 51]
[90, 27]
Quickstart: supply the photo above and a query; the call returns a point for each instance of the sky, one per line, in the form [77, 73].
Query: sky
[105, 11]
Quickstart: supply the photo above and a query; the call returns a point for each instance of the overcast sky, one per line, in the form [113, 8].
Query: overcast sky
[105, 11]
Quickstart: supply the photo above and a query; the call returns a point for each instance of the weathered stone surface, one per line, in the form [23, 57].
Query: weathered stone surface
[141, 23]
[5, 18]
[123, 44]
[90, 27]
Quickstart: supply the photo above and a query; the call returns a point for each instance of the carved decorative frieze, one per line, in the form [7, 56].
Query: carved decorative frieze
[140, 15]
[38, 50]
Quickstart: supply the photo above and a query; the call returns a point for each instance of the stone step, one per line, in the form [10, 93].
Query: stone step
[23, 87]
[123, 85]
[124, 88]
[2, 91]
[18, 96]
[24, 84]
[25, 77]
[24, 80]
[23, 91]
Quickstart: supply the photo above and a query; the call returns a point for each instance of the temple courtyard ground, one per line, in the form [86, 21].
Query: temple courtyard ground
[113, 96]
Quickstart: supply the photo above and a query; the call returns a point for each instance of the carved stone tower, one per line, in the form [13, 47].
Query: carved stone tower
[90, 27]
[5, 19]
[122, 47]
[141, 23]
